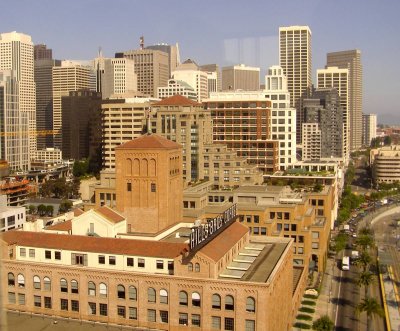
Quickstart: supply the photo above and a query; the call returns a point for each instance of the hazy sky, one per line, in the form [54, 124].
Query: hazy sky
[222, 31]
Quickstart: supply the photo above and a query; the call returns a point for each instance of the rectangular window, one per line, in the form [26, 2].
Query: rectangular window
[256, 230]
[160, 264]
[57, 255]
[47, 254]
[285, 227]
[64, 304]
[37, 301]
[183, 319]
[31, 252]
[78, 259]
[272, 215]
[103, 309]
[132, 313]
[22, 252]
[250, 325]
[216, 322]
[129, 187]
[11, 297]
[21, 298]
[164, 316]
[74, 305]
[153, 187]
[47, 302]
[300, 250]
[315, 235]
[130, 262]
[121, 311]
[263, 231]
[92, 308]
[315, 245]
[151, 315]
[229, 324]
[293, 227]
[141, 263]
[196, 320]
[111, 260]
[256, 219]
[102, 259]
[279, 227]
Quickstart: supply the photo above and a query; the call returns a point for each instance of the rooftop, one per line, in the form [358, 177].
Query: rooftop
[150, 141]
[177, 100]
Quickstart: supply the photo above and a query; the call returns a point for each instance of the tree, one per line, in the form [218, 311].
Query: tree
[366, 231]
[366, 278]
[80, 168]
[387, 140]
[372, 308]
[41, 209]
[318, 187]
[32, 209]
[365, 241]
[324, 323]
[340, 242]
[364, 260]
[49, 210]
[65, 206]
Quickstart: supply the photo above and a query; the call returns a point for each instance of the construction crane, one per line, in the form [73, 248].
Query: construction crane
[30, 133]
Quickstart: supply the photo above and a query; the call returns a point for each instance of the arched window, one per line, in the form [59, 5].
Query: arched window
[183, 298]
[197, 267]
[47, 284]
[11, 279]
[74, 286]
[216, 301]
[229, 303]
[91, 288]
[151, 294]
[250, 305]
[121, 291]
[196, 299]
[63, 285]
[190, 266]
[103, 290]
[36, 282]
[163, 296]
[132, 293]
[21, 280]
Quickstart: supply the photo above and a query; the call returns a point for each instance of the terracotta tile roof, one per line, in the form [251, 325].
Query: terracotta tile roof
[78, 212]
[223, 242]
[94, 244]
[150, 141]
[62, 226]
[177, 100]
[110, 214]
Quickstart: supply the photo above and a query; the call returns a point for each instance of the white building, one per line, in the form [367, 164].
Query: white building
[16, 54]
[177, 87]
[311, 141]
[49, 155]
[240, 77]
[283, 116]
[369, 128]
[119, 77]
[190, 73]
[12, 218]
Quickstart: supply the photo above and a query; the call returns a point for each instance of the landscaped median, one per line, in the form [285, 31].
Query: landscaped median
[306, 312]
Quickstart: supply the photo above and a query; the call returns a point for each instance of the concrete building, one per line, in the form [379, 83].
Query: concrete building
[173, 54]
[295, 60]
[41, 52]
[214, 77]
[14, 138]
[240, 77]
[16, 54]
[151, 68]
[16, 191]
[323, 126]
[48, 155]
[70, 76]
[118, 77]
[369, 128]
[385, 162]
[242, 121]
[351, 60]
[333, 77]
[177, 87]
[190, 73]
[12, 218]
[81, 129]
[283, 116]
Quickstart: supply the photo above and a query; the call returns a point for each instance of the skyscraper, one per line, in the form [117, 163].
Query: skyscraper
[41, 52]
[240, 77]
[214, 77]
[16, 53]
[173, 54]
[118, 77]
[351, 60]
[295, 60]
[369, 128]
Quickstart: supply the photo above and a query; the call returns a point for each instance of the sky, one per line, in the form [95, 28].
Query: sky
[225, 32]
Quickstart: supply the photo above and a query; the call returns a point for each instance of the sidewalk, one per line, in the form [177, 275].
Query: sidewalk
[327, 292]
[391, 302]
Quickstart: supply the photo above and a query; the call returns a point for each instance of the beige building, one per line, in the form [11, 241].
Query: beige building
[214, 77]
[295, 59]
[370, 123]
[311, 141]
[177, 87]
[385, 162]
[240, 77]
[118, 77]
[351, 60]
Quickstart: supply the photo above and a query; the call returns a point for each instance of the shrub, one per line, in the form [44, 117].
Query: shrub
[304, 317]
[310, 296]
[307, 310]
[302, 325]
[308, 303]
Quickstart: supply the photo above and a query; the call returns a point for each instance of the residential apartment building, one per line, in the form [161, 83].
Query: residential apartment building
[295, 60]
[351, 60]
[151, 68]
[16, 54]
[177, 87]
[369, 128]
[240, 77]
[283, 116]
[118, 77]
[385, 162]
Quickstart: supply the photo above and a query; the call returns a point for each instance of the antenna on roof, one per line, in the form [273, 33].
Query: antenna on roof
[141, 42]
[100, 53]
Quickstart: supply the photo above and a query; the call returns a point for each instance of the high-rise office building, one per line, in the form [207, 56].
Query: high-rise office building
[240, 77]
[16, 53]
[190, 73]
[214, 77]
[334, 77]
[14, 141]
[177, 87]
[118, 77]
[44, 94]
[351, 60]
[173, 54]
[151, 68]
[295, 60]
[369, 128]
[70, 76]
[283, 116]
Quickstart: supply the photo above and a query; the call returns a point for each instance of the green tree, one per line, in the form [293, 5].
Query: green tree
[46, 189]
[80, 168]
[364, 260]
[366, 231]
[41, 209]
[340, 242]
[365, 278]
[372, 308]
[324, 323]
[32, 209]
[65, 206]
[365, 242]
[318, 187]
[49, 210]
[60, 189]
[387, 140]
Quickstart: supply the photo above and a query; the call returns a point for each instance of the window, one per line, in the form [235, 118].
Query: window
[11, 297]
[160, 264]
[11, 279]
[132, 313]
[103, 290]
[47, 302]
[293, 227]
[102, 259]
[314, 245]
[129, 187]
[151, 294]
[21, 280]
[78, 259]
[22, 252]
[47, 254]
[46, 284]
[57, 255]
[64, 304]
[153, 187]
[141, 263]
[36, 282]
[251, 305]
[229, 324]
[183, 298]
[103, 309]
[315, 235]
[151, 315]
[256, 219]
[263, 231]
[197, 267]
[256, 230]
[92, 308]
[121, 291]
[216, 301]
[164, 316]
[250, 325]
[121, 311]
[229, 303]
[300, 250]
[91, 289]
[37, 301]
[111, 260]
[216, 322]
[183, 319]
[132, 293]
[196, 320]
[196, 302]
[130, 262]
[190, 266]
[74, 286]
[31, 252]
[163, 296]
[21, 298]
